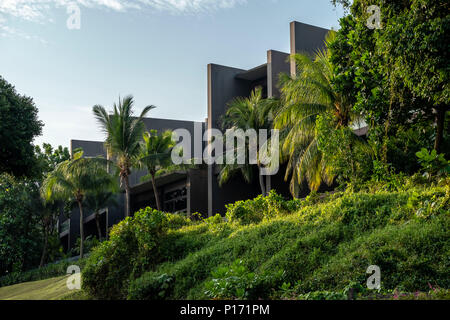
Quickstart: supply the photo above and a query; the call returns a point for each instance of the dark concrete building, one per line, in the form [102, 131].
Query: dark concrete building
[226, 83]
[198, 190]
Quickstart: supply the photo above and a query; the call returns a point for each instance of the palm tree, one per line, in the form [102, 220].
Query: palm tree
[156, 157]
[100, 199]
[123, 138]
[73, 179]
[50, 211]
[253, 112]
[305, 96]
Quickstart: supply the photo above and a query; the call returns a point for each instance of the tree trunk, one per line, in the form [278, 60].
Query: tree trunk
[99, 230]
[44, 250]
[440, 122]
[127, 195]
[155, 191]
[80, 206]
[261, 182]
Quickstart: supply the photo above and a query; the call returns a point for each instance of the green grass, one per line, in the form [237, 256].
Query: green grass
[49, 289]
[326, 245]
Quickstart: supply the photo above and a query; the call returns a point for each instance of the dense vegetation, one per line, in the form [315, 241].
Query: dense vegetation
[390, 208]
[271, 248]
[19, 125]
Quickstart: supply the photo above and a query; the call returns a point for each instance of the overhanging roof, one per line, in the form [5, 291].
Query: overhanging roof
[254, 74]
[160, 181]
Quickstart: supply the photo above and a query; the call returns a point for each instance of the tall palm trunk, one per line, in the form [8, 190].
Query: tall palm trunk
[127, 194]
[97, 221]
[261, 182]
[44, 250]
[155, 191]
[80, 206]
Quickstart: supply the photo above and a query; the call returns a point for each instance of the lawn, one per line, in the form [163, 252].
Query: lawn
[49, 289]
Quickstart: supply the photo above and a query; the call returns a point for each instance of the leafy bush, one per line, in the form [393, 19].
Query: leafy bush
[20, 236]
[352, 163]
[237, 282]
[433, 163]
[327, 244]
[132, 248]
[90, 243]
[151, 287]
[323, 295]
[255, 210]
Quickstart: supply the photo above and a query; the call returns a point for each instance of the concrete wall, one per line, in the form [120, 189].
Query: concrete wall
[277, 62]
[197, 187]
[306, 38]
[223, 86]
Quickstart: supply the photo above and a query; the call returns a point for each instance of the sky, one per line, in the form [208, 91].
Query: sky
[156, 50]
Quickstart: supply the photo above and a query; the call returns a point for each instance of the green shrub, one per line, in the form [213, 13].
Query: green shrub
[214, 220]
[237, 282]
[90, 243]
[327, 244]
[133, 247]
[433, 163]
[175, 221]
[323, 295]
[20, 235]
[151, 286]
[255, 210]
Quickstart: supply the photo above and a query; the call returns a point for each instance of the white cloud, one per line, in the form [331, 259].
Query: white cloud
[36, 10]
[39, 10]
[190, 6]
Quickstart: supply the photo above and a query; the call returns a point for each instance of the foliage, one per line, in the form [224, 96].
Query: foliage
[322, 295]
[156, 157]
[20, 237]
[19, 125]
[48, 158]
[150, 286]
[156, 151]
[398, 74]
[326, 244]
[403, 146]
[100, 198]
[123, 138]
[252, 113]
[90, 243]
[237, 282]
[48, 271]
[73, 179]
[255, 210]
[433, 163]
[133, 246]
[305, 96]
[349, 157]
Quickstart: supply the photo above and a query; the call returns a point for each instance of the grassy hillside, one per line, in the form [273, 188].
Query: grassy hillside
[270, 248]
[49, 289]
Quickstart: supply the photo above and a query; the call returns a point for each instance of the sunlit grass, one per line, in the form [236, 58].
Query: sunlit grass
[49, 289]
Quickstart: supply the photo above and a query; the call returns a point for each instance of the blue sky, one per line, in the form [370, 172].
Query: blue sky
[156, 50]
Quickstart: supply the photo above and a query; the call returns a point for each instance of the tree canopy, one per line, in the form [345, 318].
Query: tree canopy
[19, 125]
[399, 74]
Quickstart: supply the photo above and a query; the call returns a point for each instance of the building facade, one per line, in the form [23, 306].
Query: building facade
[198, 190]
